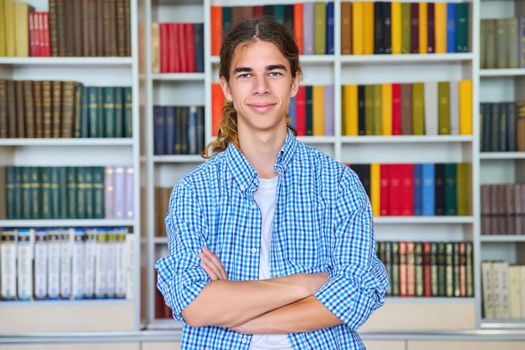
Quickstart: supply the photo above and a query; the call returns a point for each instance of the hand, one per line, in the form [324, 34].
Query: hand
[212, 265]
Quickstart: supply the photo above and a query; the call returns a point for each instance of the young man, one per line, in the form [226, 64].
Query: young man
[271, 241]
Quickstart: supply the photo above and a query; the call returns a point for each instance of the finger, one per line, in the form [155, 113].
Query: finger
[211, 264]
[215, 261]
[209, 271]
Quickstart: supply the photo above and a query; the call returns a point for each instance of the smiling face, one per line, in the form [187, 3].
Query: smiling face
[260, 86]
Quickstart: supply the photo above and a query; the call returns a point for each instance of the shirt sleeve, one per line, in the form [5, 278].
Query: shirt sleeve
[180, 278]
[358, 280]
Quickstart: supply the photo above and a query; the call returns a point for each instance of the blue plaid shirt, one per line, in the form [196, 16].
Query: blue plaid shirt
[322, 222]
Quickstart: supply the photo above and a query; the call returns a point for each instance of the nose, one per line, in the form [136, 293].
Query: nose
[261, 86]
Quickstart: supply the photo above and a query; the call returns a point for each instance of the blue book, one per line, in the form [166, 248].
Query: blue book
[428, 188]
[199, 46]
[169, 129]
[451, 27]
[158, 129]
[200, 129]
[292, 111]
[192, 130]
[418, 189]
[330, 28]
[84, 117]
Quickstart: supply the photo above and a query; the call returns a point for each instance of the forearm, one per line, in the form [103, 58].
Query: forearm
[231, 303]
[305, 315]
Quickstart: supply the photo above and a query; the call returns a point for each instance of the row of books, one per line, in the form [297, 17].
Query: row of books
[177, 47]
[162, 201]
[503, 287]
[503, 209]
[311, 110]
[66, 263]
[178, 130]
[428, 269]
[417, 189]
[404, 27]
[69, 192]
[502, 127]
[312, 24]
[63, 109]
[502, 43]
[429, 108]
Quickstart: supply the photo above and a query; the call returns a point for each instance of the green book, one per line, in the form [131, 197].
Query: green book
[101, 124]
[405, 27]
[462, 26]
[309, 111]
[418, 109]
[26, 192]
[98, 192]
[444, 107]
[81, 192]
[46, 200]
[55, 194]
[71, 179]
[62, 192]
[419, 268]
[461, 185]
[279, 13]
[85, 113]
[502, 44]
[128, 116]
[377, 109]
[11, 194]
[469, 271]
[449, 269]
[513, 55]
[35, 193]
[441, 264]
[88, 191]
[119, 112]
[319, 28]
[450, 189]
[93, 112]
[226, 20]
[369, 109]
[483, 44]
[109, 111]
[490, 43]
[434, 268]
[395, 269]
[78, 109]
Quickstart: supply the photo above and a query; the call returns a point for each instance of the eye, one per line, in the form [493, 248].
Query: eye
[244, 75]
[275, 74]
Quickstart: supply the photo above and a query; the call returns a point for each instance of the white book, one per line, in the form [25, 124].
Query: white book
[128, 202]
[53, 272]
[514, 291]
[78, 263]
[111, 263]
[90, 254]
[26, 245]
[501, 289]
[488, 297]
[66, 244]
[522, 290]
[121, 263]
[431, 108]
[454, 107]
[119, 192]
[109, 190]
[8, 264]
[100, 264]
[41, 259]
[129, 252]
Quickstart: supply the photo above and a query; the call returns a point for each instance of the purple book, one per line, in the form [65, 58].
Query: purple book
[308, 28]
[119, 198]
[329, 110]
[128, 196]
[109, 190]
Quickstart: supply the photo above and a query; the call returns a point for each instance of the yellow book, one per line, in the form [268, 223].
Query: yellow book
[357, 28]
[375, 188]
[396, 28]
[350, 116]
[10, 39]
[318, 110]
[155, 47]
[2, 28]
[465, 107]
[423, 30]
[22, 29]
[368, 28]
[440, 25]
[386, 109]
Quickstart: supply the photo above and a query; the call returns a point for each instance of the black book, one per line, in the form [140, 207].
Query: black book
[378, 28]
[502, 119]
[363, 171]
[387, 27]
[361, 109]
[199, 46]
[309, 110]
[511, 126]
[494, 117]
[288, 17]
[439, 181]
[431, 28]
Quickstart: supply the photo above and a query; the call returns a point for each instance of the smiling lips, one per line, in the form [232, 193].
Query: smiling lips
[261, 107]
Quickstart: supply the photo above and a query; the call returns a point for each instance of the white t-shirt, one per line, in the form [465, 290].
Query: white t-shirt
[265, 197]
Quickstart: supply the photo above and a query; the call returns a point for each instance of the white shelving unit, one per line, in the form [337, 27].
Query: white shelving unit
[85, 315]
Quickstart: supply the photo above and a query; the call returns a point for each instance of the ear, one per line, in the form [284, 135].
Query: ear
[226, 89]
[296, 81]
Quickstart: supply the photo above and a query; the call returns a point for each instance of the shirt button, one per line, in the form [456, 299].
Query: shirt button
[254, 250]
[254, 206]
[244, 340]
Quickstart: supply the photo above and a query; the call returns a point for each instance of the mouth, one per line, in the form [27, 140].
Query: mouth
[261, 107]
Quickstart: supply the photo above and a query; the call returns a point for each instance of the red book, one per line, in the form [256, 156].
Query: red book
[396, 109]
[300, 111]
[258, 11]
[164, 49]
[385, 190]
[190, 47]
[180, 45]
[216, 29]
[46, 42]
[427, 269]
[403, 291]
[33, 42]
[298, 26]
[407, 190]
[395, 189]
[217, 105]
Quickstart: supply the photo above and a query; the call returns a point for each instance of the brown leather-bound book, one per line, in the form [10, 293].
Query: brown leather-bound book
[86, 48]
[121, 27]
[77, 28]
[29, 108]
[57, 108]
[60, 25]
[346, 28]
[110, 29]
[99, 25]
[520, 134]
[3, 109]
[11, 109]
[68, 108]
[67, 19]
[406, 109]
[485, 210]
[127, 26]
[20, 115]
[93, 23]
[510, 212]
[39, 108]
[78, 110]
[53, 28]
[47, 108]
[162, 198]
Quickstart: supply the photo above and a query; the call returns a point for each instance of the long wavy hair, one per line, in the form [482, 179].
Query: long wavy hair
[264, 29]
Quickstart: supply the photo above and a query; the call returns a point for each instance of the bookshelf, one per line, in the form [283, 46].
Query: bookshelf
[103, 315]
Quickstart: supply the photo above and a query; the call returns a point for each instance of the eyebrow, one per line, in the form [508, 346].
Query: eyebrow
[268, 68]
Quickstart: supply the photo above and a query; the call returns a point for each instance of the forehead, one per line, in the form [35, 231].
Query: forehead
[257, 54]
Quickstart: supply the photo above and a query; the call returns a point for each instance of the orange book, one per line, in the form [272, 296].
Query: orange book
[368, 28]
[440, 25]
[386, 109]
[465, 107]
[298, 26]
[423, 28]
[357, 28]
[216, 30]
[217, 102]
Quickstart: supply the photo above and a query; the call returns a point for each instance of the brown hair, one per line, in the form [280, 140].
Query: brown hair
[264, 29]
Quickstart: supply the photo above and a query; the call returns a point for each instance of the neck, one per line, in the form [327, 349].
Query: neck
[262, 148]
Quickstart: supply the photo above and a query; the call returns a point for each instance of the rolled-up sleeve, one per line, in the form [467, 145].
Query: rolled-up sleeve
[180, 278]
[358, 280]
